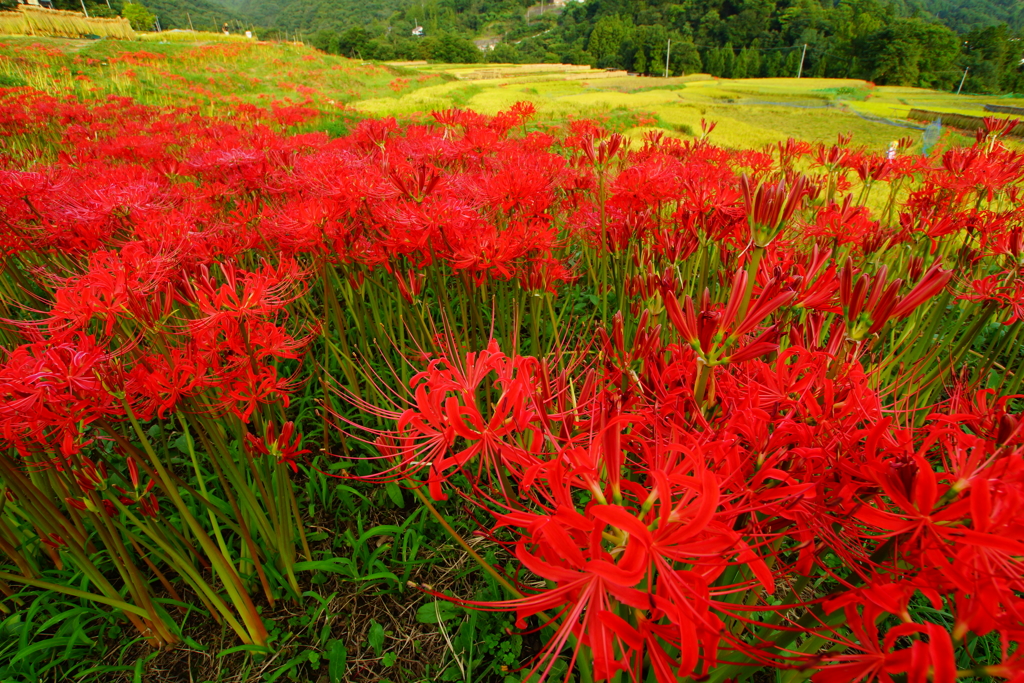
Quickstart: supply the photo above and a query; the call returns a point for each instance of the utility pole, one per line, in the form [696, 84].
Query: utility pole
[190, 26]
[962, 80]
[85, 10]
[801, 71]
[668, 51]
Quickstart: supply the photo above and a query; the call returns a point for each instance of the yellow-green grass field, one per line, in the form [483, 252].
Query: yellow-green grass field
[749, 112]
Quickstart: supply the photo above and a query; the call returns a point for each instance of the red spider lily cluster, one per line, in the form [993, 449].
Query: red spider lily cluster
[792, 433]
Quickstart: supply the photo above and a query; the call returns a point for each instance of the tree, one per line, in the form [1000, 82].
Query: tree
[753, 60]
[639, 62]
[326, 41]
[774, 64]
[914, 52]
[791, 67]
[450, 48]
[728, 61]
[989, 57]
[101, 11]
[138, 16]
[606, 40]
[503, 53]
[714, 64]
[739, 65]
[650, 43]
[684, 59]
[352, 43]
[751, 22]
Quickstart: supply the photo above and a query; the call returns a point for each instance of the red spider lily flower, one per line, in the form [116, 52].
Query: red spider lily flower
[420, 186]
[546, 275]
[706, 129]
[285, 447]
[262, 292]
[713, 332]
[922, 661]
[1007, 295]
[873, 169]
[53, 540]
[161, 381]
[267, 340]
[982, 413]
[792, 150]
[843, 224]
[591, 582]
[999, 126]
[446, 406]
[994, 128]
[246, 389]
[52, 391]
[830, 157]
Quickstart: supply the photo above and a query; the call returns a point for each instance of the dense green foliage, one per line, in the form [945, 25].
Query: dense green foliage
[205, 15]
[140, 18]
[172, 14]
[750, 38]
[966, 15]
[299, 15]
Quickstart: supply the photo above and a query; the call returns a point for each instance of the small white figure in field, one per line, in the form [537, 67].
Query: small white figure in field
[891, 154]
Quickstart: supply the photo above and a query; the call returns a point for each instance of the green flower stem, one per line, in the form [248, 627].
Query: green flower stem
[190, 445]
[187, 571]
[484, 564]
[255, 632]
[752, 268]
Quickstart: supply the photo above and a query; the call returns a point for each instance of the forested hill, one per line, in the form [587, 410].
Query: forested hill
[309, 16]
[885, 42]
[204, 15]
[966, 15]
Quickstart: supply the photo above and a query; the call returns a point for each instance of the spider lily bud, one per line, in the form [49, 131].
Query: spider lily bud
[769, 207]
[1009, 425]
[604, 151]
[869, 303]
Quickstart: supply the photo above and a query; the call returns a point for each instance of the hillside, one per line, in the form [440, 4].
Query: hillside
[205, 15]
[312, 15]
[961, 16]
[966, 15]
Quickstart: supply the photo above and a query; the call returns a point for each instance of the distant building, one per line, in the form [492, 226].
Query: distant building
[418, 30]
[48, 4]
